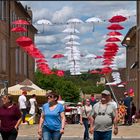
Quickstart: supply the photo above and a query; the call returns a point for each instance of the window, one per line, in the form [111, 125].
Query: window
[25, 64]
[2, 10]
[20, 61]
[3, 62]
[17, 59]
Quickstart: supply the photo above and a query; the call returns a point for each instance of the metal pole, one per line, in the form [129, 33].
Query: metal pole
[113, 94]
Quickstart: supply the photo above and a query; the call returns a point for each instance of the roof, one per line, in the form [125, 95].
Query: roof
[130, 34]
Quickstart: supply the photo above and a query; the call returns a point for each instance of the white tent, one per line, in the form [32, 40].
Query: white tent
[28, 86]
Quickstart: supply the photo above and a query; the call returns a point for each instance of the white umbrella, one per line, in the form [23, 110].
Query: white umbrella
[71, 37]
[70, 30]
[72, 43]
[74, 20]
[93, 20]
[90, 56]
[43, 21]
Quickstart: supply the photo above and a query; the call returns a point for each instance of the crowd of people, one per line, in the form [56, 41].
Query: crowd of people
[98, 117]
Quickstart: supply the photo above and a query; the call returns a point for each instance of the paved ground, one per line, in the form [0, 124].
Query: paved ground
[75, 132]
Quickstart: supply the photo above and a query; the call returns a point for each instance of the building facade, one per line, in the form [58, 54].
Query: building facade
[15, 64]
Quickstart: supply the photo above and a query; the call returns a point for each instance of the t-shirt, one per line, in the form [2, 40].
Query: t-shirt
[52, 118]
[9, 117]
[32, 104]
[22, 102]
[127, 101]
[103, 122]
[86, 110]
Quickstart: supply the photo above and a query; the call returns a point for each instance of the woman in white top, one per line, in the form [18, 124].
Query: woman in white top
[33, 105]
[84, 118]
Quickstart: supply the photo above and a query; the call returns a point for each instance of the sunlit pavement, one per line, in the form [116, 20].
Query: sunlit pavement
[75, 132]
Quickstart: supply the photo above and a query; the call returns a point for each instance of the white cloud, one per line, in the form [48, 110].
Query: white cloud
[62, 15]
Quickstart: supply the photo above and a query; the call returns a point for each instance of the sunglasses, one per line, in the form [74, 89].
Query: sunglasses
[101, 113]
[49, 96]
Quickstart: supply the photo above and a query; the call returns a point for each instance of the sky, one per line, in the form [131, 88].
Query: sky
[50, 38]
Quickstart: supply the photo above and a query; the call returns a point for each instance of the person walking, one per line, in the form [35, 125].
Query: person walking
[10, 118]
[84, 118]
[33, 108]
[103, 117]
[52, 120]
[127, 102]
[22, 100]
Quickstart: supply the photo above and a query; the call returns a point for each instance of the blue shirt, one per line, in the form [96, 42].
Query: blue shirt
[52, 119]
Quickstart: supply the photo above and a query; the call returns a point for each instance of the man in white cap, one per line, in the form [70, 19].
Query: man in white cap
[103, 117]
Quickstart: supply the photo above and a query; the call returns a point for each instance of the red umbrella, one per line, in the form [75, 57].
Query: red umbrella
[114, 33]
[115, 27]
[111, 45]
[24, 41]
[94, 72]
[41, 60]
[118, 18]
[21, 22]
[19, 29]
[60, 73]
[113, 39]
[58, 56]
[98, 57]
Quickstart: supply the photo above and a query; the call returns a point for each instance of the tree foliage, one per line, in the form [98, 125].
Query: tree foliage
[69, 87]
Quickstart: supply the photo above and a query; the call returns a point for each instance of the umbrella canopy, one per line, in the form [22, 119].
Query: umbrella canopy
[111, 45]
[115, 27]
[118, 18]
[21, 22]
[41, 60]
[71, 37]
[113, 39]
[93, 20]
[72, 43]
[114, 33]
[23, 86]
[71, 30]
[44, 21]
[98, 57]
[74, 20]
[58, 56]
[24, 41]
[60, 73]
[19, 29]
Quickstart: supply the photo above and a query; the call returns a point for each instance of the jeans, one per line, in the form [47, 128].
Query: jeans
[11, 135]
[24, 112]
[86, 125]
[98, 135]
[50, 134]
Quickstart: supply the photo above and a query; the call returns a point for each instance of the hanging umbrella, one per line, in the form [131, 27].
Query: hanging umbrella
[59, 73]
[115, 27]
[44, 21]
[118, 18]
[111, 45]
[19, 29]
[71, 37]
[94, 72]
[74, 21]
[72, 43]
[58, 56]
[24, 41]
[98, 57]
[113, 39]
[71, 30]
[114, 33]
[20, 22]
[41, 60]
[93, 20]
[90, 56]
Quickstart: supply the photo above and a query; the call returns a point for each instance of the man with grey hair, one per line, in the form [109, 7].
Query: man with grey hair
[103, 117]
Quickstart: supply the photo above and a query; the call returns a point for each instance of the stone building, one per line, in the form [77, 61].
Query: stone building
[132, 44]
[15, 64]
